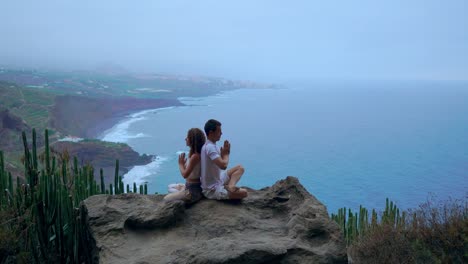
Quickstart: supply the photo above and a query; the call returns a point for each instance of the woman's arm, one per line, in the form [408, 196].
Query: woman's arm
[186, 170]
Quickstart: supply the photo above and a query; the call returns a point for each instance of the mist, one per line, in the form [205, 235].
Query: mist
[254, 40]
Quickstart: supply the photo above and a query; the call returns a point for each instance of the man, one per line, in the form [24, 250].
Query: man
[216, 182]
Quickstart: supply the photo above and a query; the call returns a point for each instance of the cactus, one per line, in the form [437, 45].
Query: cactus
[116, 177]
[103, 186]
[357, 224]
[121, 185]
[47, 151]
[48, 202]
[3, 182]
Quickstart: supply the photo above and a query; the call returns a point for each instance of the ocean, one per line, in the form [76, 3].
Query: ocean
[349, 143]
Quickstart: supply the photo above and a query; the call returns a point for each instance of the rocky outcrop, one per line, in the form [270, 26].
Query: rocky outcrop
[278, 224]
[102, 155]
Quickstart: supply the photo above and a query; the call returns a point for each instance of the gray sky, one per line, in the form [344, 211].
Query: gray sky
[242, 39]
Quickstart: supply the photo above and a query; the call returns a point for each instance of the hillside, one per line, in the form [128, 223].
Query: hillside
[104, 85]
[30, 104]
[22, 109]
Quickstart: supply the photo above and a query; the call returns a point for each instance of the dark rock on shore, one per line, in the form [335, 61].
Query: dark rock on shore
[100, 154]
[278, 224]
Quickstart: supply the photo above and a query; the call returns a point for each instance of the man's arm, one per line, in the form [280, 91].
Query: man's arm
[223, 161]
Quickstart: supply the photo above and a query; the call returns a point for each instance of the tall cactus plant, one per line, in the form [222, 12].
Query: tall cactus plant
[53, 227]
[355, 225]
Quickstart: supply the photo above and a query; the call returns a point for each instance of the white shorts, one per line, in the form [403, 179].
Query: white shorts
[218, 192]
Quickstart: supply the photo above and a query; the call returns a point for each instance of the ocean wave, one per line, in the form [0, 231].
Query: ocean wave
[119, 133]
[140, 174]
[201, 101]
[144, 112]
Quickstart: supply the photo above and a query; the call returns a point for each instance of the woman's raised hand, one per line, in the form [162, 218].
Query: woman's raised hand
[182, 158]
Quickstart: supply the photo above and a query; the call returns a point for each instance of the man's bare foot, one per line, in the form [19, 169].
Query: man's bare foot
[231, 189]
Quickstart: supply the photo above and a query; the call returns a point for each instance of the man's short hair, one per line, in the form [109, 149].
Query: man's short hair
[211, 125]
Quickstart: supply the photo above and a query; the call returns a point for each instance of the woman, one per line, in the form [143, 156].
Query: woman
[190, 169]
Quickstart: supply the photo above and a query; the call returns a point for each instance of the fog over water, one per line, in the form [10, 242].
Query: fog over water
[260, 40]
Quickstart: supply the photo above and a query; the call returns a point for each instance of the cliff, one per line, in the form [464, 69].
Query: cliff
[11, 127]
[22, 109]
[87, 117]
[278, 224]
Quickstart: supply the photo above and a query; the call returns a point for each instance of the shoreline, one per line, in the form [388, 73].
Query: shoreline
[97, 123]
[110, 123]
[106, 126]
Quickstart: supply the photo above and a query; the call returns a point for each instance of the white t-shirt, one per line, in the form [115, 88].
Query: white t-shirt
[210, 172]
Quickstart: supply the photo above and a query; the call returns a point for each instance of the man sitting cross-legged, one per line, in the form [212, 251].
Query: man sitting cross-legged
[217, 182]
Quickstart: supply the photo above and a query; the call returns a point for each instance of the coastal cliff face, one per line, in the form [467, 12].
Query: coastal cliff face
[10, 130]
[86, 117]
[11, 122]
[278, 224]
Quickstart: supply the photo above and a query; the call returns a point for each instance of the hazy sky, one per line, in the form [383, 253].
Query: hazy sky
[257, 40]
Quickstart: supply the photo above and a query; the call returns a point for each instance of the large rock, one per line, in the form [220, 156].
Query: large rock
[279, 224]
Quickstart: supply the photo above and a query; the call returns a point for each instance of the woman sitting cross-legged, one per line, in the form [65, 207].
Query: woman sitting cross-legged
[190, 169]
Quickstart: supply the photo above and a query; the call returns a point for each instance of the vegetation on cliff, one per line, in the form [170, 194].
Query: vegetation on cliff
[434, 233]
[40, 220]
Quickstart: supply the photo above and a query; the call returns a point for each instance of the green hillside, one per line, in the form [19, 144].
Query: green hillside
[30, 104]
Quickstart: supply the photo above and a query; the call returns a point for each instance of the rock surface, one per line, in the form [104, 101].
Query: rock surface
[278, 224]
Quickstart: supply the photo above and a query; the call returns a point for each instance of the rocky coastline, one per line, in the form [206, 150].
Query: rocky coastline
[89, 118]
[73, 105]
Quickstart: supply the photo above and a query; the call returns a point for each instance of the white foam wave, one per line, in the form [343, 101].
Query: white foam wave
[144, 112]
[71, 138]
[119, 133]
[139, 174]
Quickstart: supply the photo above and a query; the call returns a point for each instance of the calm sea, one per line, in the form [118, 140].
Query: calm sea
[349, 143]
